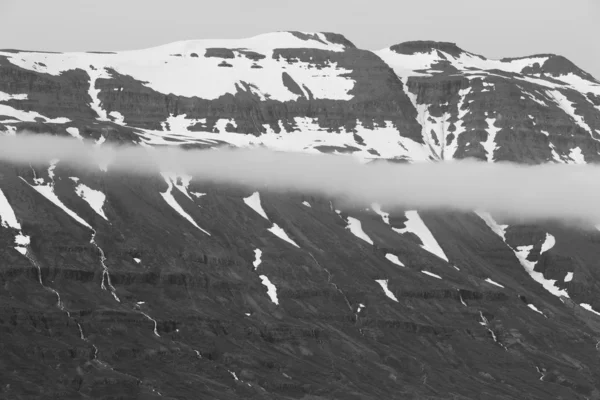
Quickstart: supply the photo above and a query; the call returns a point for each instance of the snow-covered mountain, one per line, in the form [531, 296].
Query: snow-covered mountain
[129, 287]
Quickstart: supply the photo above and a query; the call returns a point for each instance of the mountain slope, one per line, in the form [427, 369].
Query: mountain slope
[162, 287]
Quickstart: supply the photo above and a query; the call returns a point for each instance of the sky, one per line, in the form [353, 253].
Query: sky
[495, 29]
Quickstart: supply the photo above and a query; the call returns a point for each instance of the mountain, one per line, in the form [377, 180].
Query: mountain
[120, 287]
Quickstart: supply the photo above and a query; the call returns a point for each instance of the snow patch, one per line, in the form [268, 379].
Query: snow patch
[569, 277]
[271, 289]
[567, 106]
[117, 117]
[7, 214]
[253, 201]
[488, 280]
[280, 233]
[534, 308]
[257, 260]
[307, 204]
[576, 156]
[384, 285]
[589, 308]
[394, 258]
[490, 144]
[416, 225]
[28, 116]
[94, 198]
[384, 216]
[431, 274]
[355, 227]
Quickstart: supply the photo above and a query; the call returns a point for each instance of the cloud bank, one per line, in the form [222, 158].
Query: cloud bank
[551, 191]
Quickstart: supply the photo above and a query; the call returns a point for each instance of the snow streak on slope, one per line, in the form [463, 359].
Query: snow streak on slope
[257, 260]
[534, 308]
[439, 126]
[271, 289]
[168, 196]
[253, 201]
[415, 224]
[394, 258]
[450, 149]
[522, 252]
[94, 74]
[8, 96]
[355, 227]
[48, 192]
[9, 220]
[384, 285]
[567, 106]
[488, 280]
[94, 198]
[490, 144]
[431, 274]
[589, 308]
[280, 233]
[174, 68]
[7, 214]
[28, 116]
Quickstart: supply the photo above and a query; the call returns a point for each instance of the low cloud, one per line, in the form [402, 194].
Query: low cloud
[527, 193]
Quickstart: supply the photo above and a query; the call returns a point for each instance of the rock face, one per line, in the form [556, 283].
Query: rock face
[117, 287]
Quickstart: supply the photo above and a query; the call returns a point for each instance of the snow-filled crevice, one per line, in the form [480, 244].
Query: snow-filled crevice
[137, 308]
[486, 323]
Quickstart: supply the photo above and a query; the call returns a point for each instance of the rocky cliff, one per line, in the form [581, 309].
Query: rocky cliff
[116, 287]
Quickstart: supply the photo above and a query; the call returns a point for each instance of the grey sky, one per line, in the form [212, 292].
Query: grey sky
[492, 28]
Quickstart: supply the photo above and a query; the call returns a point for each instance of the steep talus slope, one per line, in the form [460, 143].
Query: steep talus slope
[165, 287]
